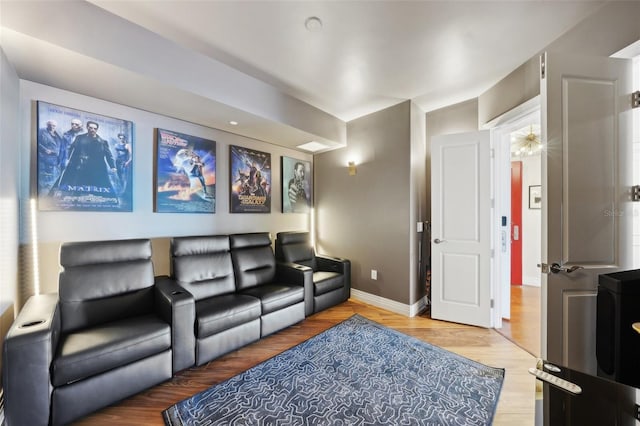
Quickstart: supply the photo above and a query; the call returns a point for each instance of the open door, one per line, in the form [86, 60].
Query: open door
[586, 207]
[461, 229]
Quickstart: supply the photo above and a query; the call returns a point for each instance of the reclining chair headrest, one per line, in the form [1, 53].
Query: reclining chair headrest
[188, 246]
[250, 240]
[293, 237]
[98, 252]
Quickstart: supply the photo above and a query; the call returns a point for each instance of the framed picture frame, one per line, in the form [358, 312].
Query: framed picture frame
[185, 173]
[249, 180]
[535, 197]
[84, 160]
[297, 187]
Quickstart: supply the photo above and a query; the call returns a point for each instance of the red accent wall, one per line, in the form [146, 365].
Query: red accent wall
[516, 220]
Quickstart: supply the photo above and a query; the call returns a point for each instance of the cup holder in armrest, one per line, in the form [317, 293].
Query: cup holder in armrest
[32, 323]
[302, 267]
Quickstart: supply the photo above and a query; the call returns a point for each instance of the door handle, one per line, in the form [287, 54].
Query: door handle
[438, 241]
[555, 268]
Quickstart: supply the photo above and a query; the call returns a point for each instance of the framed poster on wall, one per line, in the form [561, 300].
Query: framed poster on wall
[185, 178]
[250, 180]
[85, 160]
[296, 185]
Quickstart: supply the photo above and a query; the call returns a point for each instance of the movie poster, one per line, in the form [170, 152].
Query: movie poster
[85, 160]
[185, 173]
[296, 185]
[250, 178]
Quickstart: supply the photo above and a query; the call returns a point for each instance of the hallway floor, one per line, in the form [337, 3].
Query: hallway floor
[524, 326]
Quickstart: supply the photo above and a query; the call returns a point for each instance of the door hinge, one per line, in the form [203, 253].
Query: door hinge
[635, 193]
[492, 303]
[635, 99]
[493, 253]
[543, 66]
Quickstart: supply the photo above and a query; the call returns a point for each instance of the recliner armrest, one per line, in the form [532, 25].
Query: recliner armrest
[177, 307]
[337, 264]
[332, 264]
[28, 351]
[294, 273]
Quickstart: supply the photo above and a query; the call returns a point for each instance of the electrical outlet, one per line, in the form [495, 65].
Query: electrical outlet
[374, 274]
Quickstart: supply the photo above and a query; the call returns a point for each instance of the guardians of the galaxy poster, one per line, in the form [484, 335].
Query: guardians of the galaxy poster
[250, 179]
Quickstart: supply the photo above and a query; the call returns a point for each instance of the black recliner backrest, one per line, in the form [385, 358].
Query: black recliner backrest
[202, 265]
[103, 281]
[295, 247]
[253, 261]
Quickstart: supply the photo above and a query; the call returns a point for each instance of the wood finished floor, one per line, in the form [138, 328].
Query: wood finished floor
[523, 327]
[515, 407]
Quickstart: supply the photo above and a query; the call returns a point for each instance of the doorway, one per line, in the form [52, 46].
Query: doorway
[517, 210]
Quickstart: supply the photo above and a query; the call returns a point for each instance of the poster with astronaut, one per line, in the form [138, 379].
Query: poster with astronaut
[84, 160]
[250, 178]
[185, 180]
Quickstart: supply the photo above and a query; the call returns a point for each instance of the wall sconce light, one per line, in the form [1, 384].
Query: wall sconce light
[352, 168]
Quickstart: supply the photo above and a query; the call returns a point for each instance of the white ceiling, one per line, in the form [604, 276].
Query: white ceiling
[368, 55]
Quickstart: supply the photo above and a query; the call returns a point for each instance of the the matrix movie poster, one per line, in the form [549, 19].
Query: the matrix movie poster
[250, 177]
[85, 160]
[186, 173]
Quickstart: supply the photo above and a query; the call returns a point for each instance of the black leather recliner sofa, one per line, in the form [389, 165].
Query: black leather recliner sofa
[109, 333]
[327, 280]
[225, 320]
[114, 329]
[240, 295]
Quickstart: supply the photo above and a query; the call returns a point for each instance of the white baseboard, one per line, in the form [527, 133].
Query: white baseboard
[390, 305]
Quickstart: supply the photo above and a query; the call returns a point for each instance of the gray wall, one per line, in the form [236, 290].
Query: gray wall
[56, 227]
[515, 89]
[367, 218]
[417, 204]
[9, 172]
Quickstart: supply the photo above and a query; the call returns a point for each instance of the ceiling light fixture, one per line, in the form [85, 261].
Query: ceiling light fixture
[527, 144]
[313, 24]
[313, 146]
[233, 123]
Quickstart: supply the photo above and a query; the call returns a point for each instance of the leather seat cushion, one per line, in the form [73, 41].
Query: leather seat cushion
[324, 282]
[276, 296]
[219, 313]
[88, 352]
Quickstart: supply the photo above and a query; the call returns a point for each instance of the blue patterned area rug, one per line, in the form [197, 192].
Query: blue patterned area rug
[356, 373]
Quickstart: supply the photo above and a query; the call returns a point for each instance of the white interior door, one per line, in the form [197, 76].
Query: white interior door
[461, 229]
[586, 208]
